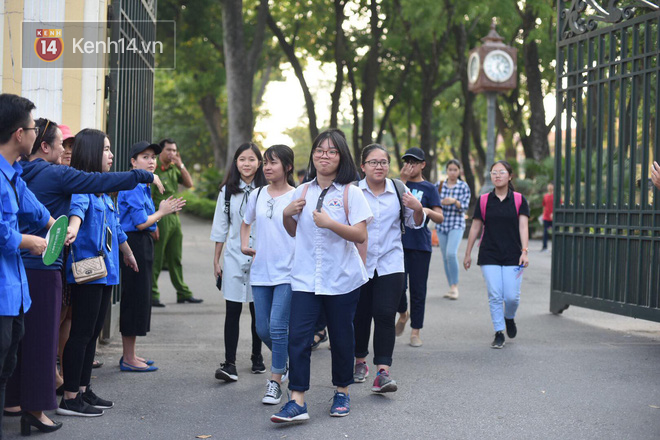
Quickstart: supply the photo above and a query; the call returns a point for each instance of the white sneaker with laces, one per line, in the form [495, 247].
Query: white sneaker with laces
[273, 394]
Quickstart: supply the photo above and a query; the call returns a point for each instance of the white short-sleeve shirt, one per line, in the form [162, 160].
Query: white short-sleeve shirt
[325, 263]
[385, 250]
[274, 258]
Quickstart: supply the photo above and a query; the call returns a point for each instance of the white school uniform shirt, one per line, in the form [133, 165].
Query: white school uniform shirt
[385, 250]
[325, 263]
[236, 265]
[274, 259]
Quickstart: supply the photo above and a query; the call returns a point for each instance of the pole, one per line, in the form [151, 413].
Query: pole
[491, 98]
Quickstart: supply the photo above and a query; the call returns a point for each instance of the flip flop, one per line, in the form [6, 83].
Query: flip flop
[132, 368]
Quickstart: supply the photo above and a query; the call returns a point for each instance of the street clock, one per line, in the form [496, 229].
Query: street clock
[492, 66]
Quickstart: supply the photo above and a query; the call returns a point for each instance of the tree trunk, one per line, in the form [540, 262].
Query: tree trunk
[340, 49]
[537, 127]
[213, 119]
[240, 65]
[425, 128]
[356, 115]
[289, 51]
[370, 77]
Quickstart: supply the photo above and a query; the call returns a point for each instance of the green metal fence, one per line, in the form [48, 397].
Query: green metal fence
[606, 244]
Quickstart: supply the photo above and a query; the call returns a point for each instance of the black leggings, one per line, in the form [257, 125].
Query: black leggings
[89, 304]
[379, 299]
[232, 319]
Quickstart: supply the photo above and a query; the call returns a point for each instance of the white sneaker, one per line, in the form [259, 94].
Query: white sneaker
[273, 393]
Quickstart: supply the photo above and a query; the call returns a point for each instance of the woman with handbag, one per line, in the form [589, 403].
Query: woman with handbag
[92, 270]
[138, 217]
[393, 207]
[273, 257]
[328, 216]
[245, 174]
[503, 252]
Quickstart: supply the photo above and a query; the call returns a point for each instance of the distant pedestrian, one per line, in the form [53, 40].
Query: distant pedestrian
[245, 175]
[503, 251]
[548, 206]
[455, 200]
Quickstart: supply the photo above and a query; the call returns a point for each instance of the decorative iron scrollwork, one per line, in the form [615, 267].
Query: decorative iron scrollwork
[576, 22]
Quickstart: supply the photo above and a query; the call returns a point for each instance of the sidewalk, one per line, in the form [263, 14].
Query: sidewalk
[582, 375]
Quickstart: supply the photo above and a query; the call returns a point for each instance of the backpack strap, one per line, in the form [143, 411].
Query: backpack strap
[483, 200]
[227, 203]
[304, 191]
[259, 193]
[399, 189]
[517, 199]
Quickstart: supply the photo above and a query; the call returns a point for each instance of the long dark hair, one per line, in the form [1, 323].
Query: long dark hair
[87, 154]
[346, 171]
[285, 155]
[47, 132]
[233, 177]
[509, 170]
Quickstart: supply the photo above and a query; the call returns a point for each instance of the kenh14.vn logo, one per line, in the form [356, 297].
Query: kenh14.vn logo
[48, 44]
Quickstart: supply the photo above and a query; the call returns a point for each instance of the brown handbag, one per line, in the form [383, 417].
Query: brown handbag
[92, 268]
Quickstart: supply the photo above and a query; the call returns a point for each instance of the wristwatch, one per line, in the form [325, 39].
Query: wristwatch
[526, 250]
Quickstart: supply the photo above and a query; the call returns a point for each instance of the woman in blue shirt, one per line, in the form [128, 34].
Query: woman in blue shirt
[138, 218]
[93, 217]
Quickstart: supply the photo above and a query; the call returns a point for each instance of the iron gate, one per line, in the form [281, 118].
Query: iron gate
[606, 244]
[131, 94]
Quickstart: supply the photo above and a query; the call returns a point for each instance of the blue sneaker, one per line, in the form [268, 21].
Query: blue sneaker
[291, 412]
[341, 405]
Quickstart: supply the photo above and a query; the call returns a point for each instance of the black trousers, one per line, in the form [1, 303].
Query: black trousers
[547, 227]
[417, 273]
[89, 303]
[11, 332]
[232, 321]
[379, 299]
[135, 305]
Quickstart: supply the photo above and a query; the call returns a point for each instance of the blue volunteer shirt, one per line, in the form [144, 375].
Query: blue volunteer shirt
[17, 203]
[135, 206]
[427, 194]
[92, 236]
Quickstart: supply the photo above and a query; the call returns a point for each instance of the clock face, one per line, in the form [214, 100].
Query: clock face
[473, 68]
[498, 66]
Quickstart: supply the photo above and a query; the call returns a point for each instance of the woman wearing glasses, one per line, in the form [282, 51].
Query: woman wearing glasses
[503, 252]
[273, 258]
[379, 298]
[417, 244]
[245, 174]
[328, 216]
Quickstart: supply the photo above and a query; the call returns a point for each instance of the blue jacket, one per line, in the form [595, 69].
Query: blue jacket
[54, 184]
[92, 235]
[27, 210]
[135, 206]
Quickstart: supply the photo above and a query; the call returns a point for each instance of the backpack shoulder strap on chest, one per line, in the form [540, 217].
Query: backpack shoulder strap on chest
[227, 203]
[400, 189]
[517, 199]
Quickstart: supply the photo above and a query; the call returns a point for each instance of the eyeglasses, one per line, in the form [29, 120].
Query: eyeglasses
[271, 205]
[36, 130]
[331, 153]
[499, 173]
[375, 163]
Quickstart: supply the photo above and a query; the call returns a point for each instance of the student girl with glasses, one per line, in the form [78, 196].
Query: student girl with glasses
[380, 296]
[273, 258]
[328, 217]
[503, 251]
[245, 174]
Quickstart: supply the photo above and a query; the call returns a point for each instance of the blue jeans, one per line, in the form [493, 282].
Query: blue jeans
[272, 305]
[449, 242]
[503, 283]
[339, 312]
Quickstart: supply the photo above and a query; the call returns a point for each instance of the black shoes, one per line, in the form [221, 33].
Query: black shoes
[258, 366]
[78, 407]
[191, 300]
[498, 342]
[28, 420]
[511, 329]
[92, 399]
[156, 303]
[226, 372]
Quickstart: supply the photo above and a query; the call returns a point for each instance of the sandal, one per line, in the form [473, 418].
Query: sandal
[322, 335]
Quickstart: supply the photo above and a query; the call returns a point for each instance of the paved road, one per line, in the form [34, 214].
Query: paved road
[583, 375]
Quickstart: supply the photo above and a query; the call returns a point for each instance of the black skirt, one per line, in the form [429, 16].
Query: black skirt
[135, 303]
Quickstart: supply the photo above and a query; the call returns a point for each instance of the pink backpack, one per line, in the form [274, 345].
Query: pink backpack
[483, 201]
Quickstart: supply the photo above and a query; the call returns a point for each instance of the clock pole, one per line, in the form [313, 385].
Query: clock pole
[491, 99]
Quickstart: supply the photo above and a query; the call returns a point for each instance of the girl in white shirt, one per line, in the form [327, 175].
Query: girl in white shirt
[379, 297]
[273, 258]
[245, 174]
[328, 216]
